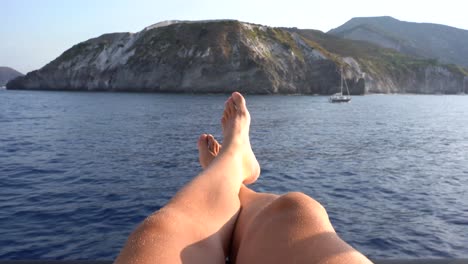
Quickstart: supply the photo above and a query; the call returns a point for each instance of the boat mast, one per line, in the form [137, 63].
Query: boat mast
[347, 89]
[341, 77]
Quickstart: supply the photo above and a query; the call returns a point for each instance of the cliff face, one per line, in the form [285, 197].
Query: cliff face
[210, 56]
[220, 56]
[388, 71]
[425, 80]
[7, 74]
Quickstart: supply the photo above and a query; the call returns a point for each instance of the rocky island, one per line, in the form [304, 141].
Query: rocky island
[226, 55]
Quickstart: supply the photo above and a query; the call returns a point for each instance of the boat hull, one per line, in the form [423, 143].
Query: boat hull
[340, 100]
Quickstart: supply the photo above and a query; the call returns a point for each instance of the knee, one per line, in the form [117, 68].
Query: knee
[298, 202]
[163, 221]
[154, 223]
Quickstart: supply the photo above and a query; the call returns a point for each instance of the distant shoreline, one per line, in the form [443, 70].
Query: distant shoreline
[209, 93]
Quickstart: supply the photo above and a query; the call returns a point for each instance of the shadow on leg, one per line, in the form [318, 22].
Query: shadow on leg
[292, 228]
[252, 203]
[169, 236]
[197, 224]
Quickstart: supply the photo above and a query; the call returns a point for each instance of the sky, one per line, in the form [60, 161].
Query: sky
[34, 32]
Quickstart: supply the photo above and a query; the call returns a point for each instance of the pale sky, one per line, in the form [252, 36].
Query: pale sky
[34, 32]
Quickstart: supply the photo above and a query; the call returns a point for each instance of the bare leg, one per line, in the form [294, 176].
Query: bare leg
[208, 150]
[197, 224]
[252, 203]
[292, 228]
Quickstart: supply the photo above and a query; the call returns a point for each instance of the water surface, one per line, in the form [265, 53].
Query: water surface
[78, 171]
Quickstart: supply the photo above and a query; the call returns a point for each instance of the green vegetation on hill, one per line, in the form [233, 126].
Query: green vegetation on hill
[222, 56]
[278, 35]
[444, 43]
[373, 58]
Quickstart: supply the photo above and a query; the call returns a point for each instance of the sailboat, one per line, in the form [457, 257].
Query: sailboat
[339, 97]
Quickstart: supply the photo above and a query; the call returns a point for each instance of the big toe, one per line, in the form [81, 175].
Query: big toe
[239, 101]
[202, 142]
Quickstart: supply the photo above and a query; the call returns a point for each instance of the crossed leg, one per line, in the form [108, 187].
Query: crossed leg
[197, 224]
[292, 228]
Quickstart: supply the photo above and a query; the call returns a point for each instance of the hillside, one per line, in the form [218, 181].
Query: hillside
[7, 74]
[183, 56]
[388, 71]
[225, 55]
[444, 43]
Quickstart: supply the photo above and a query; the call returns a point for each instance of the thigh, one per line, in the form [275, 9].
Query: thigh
[294, 228]
[252, 203]
[170, 238]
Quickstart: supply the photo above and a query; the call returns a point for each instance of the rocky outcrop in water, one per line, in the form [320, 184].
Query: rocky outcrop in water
[216, 57]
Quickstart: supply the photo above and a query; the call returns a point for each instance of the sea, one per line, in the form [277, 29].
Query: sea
[80, 170]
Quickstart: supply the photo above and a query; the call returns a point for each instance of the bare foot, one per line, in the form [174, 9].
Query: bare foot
[236, 124]
[208, 149]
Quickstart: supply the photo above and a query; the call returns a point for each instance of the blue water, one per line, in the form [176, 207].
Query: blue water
[78, 171]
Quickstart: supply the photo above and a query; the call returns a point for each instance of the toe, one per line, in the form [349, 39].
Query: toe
[239, 101]
[230, 107]
[210, 140]
[217, 146]
[226, 109]
[202, 141]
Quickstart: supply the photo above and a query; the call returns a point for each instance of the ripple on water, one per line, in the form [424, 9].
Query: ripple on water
[78, 171]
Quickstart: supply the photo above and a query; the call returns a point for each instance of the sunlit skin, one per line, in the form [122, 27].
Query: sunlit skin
[216, 215]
